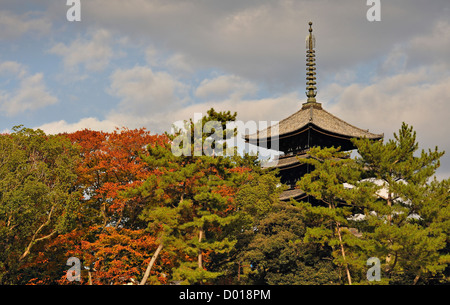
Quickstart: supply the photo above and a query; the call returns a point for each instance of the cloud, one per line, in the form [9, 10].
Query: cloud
[157, 99]
[263, 109]
[94, 53]
[89, 123]
[244, 56]
[179, 63]
[13, 25]
[224, 86]
[30, 93]
[411, 84]
[432, 47]
[176, 63]
[264, 41]
[154, 100]
[424, 49]
[144, 92]
[12, 68]
[412, 97]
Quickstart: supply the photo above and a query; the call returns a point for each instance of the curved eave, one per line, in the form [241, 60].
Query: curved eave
[288, 162]
[295, 194]
[311, 115]
[314, 127]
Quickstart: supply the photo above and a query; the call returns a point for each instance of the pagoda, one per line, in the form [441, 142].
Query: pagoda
[308, 127]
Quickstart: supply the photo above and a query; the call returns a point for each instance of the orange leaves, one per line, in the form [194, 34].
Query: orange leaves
[115, 156]
[112, 163]
[133, 190]
[120, 255]
[240, 170]
[112, 256]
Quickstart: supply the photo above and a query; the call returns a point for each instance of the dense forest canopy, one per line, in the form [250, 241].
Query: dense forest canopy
[134, 213]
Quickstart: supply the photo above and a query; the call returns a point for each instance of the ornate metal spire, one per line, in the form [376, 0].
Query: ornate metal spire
[311, 67]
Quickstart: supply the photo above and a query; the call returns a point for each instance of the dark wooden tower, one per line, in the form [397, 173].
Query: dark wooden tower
[310, 126]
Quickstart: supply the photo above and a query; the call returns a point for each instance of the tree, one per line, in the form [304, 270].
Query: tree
[190, 204]
[408, 224]
[37, 197]
[278, 255]
[253, 201]
[328, 222]
[110, 163]
[388, 195]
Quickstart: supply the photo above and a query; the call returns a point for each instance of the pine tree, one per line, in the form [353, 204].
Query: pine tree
[408, 225]
[190, 203]
[254, 200]
[336, 184]
[278, 255]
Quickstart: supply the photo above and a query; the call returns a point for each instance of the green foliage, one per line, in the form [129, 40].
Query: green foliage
[256, 198]
[407, 226]
[387, 197]
[114, 203]
[37, 202]
[279, 256]
[190, 203]
[336, 182]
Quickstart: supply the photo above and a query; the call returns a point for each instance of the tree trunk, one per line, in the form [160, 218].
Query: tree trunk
[349, 278]
[416, 279]
[338, 229]
[150, 265]
[389, 203]
[239, 271]
[389, 218]
[34, 239]
[200, 257]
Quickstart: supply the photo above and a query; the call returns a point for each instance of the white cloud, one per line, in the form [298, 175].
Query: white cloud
[177, 63]
[415, 98]
[432, 47]
[225, 86]
[395, 61]
[85, 123]
[12, 68]
[13, 26]
[93, 54]
[263, 40]
[152, 56]
[30, 93]
[151, 99]
[144, 92]
[155, 99]
[404, 97]
[264, 109]
[253, 45]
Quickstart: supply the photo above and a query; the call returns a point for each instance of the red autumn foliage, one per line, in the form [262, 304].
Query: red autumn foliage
[112, 242]
[112, 163]
[109, 240]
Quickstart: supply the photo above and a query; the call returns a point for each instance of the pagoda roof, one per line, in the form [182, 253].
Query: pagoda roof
[310, 115]
[286, 161]
[296, 194]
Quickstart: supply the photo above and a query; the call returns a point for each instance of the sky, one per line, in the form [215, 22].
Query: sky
[145, 63]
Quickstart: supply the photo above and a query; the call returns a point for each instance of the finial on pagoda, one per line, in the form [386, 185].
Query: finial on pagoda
[311, 68]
